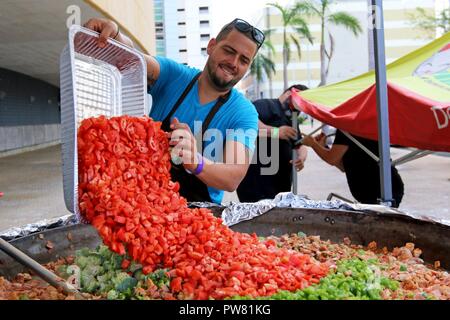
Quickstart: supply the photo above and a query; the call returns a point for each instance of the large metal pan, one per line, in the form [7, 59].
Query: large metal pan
[387, 230]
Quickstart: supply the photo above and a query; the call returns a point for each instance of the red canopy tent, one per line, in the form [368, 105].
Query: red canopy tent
[418, 95]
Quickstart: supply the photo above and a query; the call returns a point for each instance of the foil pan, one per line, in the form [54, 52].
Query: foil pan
[238, 212]
[109, 81]
[235, 213]
[19, 232]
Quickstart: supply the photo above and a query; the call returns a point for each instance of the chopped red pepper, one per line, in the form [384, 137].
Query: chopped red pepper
[126, 193]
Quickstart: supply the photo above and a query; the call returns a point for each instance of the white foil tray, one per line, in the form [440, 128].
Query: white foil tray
[95, 81]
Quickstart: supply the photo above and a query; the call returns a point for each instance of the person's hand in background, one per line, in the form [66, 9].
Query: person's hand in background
[308, 140]
[286, 133]
[302, 153]
[321, 139]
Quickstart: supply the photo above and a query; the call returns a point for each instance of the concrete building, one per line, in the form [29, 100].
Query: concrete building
[184, 31]
[32, 36]
[159, 27]
[351, 54]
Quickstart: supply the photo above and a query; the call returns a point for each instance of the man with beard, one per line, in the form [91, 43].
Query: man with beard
[189, 102]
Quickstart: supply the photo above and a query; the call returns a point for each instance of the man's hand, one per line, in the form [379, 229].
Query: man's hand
[107, 29]
[302, 154]
[287, 133]
[299, 164]
[308, 140]
[184, 144]
[321, 139]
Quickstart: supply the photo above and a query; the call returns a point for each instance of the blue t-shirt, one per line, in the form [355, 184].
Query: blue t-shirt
[236, 120]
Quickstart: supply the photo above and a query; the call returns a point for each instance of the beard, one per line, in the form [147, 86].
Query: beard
[220, 84]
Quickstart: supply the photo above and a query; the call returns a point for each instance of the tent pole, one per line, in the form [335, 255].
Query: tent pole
[413, 155]
[294, 154]
[361, 146]
[382, 103]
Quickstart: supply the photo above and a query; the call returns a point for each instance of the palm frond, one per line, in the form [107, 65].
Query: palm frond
[421, 19]
[297, 44]
[302, 29]
[325, 5]
[287, 49]
[283, 11]
[262, 64]
[346, 20]
[307, 8]
[256, 68]
[268, 46]
[268, 32]
[268, 66]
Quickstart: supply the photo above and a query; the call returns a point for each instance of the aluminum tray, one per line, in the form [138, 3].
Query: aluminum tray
[95, 81]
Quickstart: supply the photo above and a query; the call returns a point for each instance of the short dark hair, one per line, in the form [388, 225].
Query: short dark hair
[231, 26]
[299, 87]
[225, 31]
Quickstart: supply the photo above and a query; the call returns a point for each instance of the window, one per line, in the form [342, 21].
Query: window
[204, 23]
[203, 9]
[180, 10]
[158, 37]
[203, 51]
[205, 36]
[182, 50]
[181, 23]
[181, 37]
[159, 24]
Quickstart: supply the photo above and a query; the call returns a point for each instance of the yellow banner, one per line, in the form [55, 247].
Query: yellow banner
[425, 72]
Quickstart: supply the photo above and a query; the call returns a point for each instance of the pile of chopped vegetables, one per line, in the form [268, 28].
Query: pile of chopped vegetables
[355, 273]
[126, 193]
[155, 247]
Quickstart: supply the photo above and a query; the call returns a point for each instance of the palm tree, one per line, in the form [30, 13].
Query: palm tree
[263, 64]
[430, 23]
[291, 17]
[321, 8]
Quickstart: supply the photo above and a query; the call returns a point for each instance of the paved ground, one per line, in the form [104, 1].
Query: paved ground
[32, 184]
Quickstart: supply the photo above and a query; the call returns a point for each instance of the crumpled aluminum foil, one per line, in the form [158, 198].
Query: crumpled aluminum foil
[203, 205]
[18, 232]
[290, 200]
[238, 212]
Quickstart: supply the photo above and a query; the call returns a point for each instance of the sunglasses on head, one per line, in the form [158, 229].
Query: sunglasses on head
[245, 27]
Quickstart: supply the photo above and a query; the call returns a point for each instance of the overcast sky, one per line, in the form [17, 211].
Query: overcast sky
[248, 10]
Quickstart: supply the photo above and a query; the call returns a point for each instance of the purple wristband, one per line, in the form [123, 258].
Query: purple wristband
[200, 165]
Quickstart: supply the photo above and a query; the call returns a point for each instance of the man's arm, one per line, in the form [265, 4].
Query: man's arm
[110, 29]
[228, 175]
[302, 154]
[332, 156]
[284, 132]
[224, 176]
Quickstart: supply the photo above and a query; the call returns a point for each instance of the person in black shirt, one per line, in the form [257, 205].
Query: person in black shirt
[362, 171]
[275, 126]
